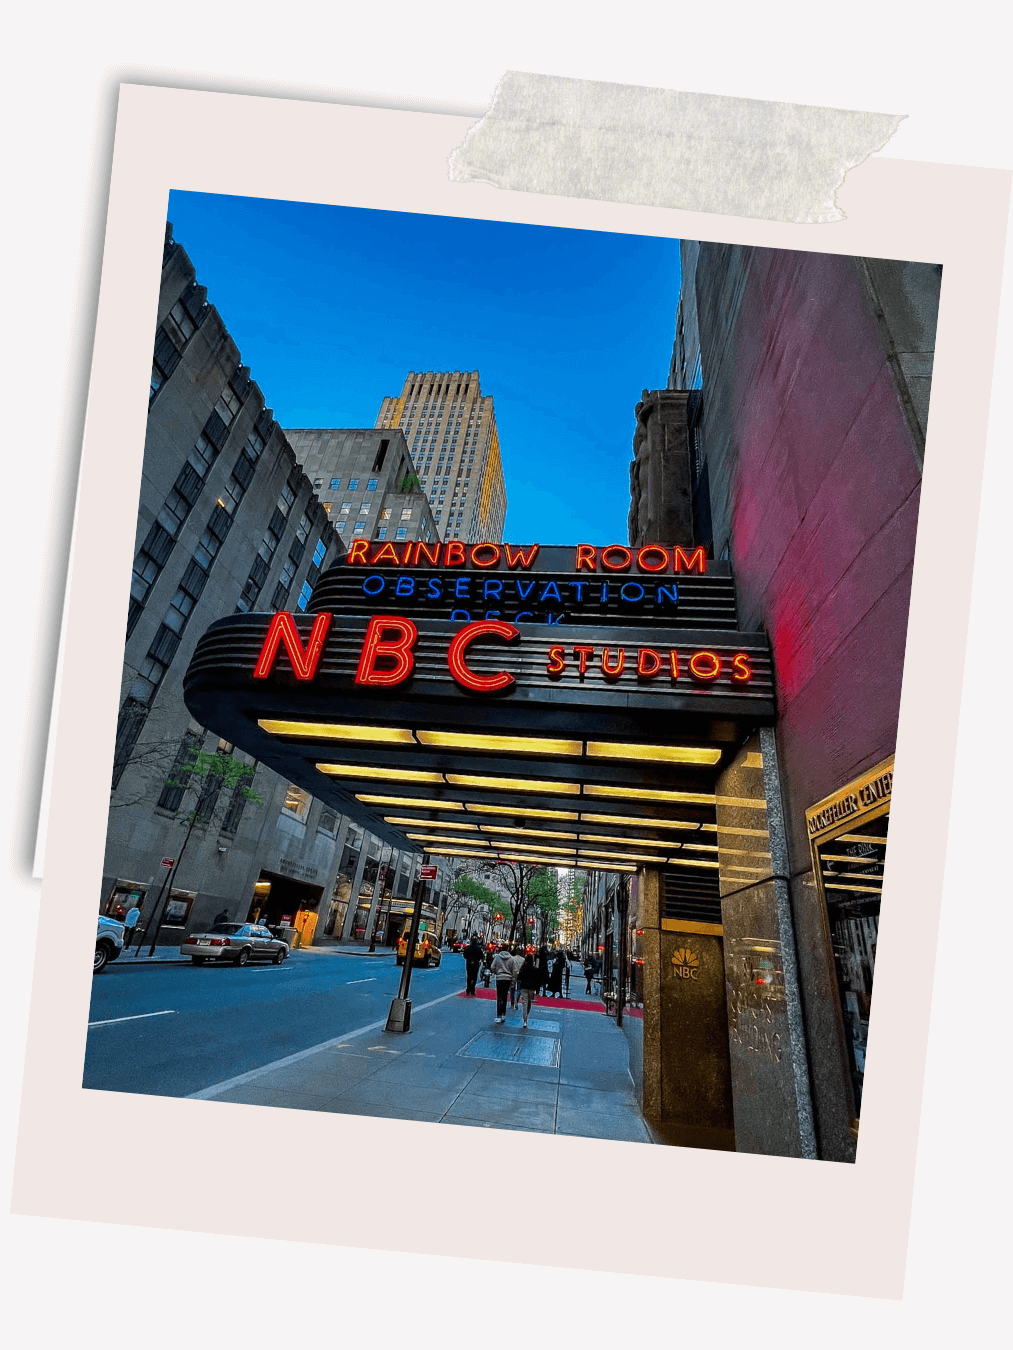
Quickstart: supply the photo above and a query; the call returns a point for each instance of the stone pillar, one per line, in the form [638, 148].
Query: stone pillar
[353, 895]
[769, 1064]
[661, 475]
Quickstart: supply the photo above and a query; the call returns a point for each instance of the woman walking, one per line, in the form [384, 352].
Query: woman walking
[527, 980]
[503, 972]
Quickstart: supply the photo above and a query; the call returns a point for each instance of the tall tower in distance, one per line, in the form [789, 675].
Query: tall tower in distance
[450, 428]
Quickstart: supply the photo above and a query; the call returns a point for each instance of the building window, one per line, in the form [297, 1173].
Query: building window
[345, 508]
[400, 534]
[318, 553]
[286, 500]
[382, 532]
[297, 803]
[335, 484]
[304, 596]
[228, 405]
[371, 485]
[360, 527]
[341, 527]
[317, 484]
[177, 782]
[385, 513]
[364, 509]
[406, 513]
[353, 483]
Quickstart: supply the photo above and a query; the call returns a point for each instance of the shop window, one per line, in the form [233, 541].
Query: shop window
[847, 835]
[297, 802]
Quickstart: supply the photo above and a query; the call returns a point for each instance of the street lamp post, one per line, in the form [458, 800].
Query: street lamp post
[400, 1016]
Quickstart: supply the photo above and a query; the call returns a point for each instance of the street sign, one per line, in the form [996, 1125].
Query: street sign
[168, 862]
[428, 873]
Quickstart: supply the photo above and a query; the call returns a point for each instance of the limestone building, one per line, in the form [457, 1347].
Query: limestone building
[449, 426]
[365, 481]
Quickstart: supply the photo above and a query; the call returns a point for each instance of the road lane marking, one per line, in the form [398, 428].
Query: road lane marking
[371, 980]
[168, 1012]
[213, 1091]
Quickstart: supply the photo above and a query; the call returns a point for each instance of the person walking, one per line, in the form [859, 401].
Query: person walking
[502, 969]
[543, 968]
[516, 960]
[472, 965]
[221, 917]
[588, 974]
[527, 980]
[129, 924]
[555, 985]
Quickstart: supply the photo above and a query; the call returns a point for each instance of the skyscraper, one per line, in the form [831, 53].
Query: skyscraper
[450, 428]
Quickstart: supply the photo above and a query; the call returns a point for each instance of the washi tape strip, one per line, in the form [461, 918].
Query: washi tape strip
[659, 147]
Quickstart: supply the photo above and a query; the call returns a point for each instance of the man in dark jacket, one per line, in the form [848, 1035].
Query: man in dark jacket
[472, 964]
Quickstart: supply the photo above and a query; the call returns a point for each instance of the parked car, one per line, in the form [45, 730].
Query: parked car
[108, 942]
[234, 942]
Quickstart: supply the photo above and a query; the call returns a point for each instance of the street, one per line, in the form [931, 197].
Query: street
[214, 1022]
[309, 1035]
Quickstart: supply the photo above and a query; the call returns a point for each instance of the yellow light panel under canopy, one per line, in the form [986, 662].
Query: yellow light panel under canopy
[389, 775]
[632, 794]
[538, 812]
[532, 848]
[437, 824]
[624, 839]
[625, 855]
[522, 785]
[669, 754]
[339, 731]
[524, 745]
[642, 822]
[691, 862]
[593, 865]
[415, 803]
[516, 829]
[447, 839]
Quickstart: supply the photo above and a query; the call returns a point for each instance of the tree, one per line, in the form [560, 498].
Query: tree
[478, 894]
[205, 775]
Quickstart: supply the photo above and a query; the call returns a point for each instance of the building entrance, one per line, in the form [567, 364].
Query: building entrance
[282, 902]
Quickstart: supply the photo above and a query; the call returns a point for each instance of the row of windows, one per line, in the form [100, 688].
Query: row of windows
[353, 483]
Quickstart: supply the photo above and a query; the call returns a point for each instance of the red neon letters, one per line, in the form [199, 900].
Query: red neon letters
[462, 673]
[283, 632]
[375, 648]
[705, 666]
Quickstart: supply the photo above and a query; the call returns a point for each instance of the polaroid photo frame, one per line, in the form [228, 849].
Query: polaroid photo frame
[685, 1199]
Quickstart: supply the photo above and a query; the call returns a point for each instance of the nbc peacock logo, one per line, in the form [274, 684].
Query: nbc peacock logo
[686, 964]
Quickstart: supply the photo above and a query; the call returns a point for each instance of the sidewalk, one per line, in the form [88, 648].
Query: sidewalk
[568, 1073]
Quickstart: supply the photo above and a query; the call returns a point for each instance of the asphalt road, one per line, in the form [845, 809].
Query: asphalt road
[184, 1028]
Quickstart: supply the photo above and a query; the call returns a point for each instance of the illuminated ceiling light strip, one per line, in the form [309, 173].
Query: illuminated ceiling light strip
[338, 731]
[869, 890]
[516, 829]
[540, 813]
[527, 745]
[625, 855]
[741, 853]
[440, 824]
[633, 794]
[853, 876]
[753, 803]
[860, 838]
[546, 861]
[671, 754]
[387, 774]
[532, 848]
[639, 842]
[609, 867]
[461, 852]
[707, 848]
[521, 785]
[692, 862]
[415, 803]
[643, 822]
[446, 839]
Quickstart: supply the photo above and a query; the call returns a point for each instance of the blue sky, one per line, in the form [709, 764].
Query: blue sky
[332, 306]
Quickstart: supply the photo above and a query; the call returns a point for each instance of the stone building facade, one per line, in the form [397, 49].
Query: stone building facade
[228, 522]
[790, 442]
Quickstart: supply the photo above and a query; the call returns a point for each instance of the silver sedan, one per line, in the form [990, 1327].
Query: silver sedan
[235, 942]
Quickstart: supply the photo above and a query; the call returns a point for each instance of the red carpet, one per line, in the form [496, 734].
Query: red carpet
[577, 1004]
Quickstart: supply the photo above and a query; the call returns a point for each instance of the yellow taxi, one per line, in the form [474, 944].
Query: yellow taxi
[427, 949]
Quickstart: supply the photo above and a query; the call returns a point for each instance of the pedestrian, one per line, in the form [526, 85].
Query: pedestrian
[527, 979]
[129, 924]
[588, 974]
[502, 968]
[221, 917]
[543, 968]
[517, 960]
[472, 964]
[555, 985]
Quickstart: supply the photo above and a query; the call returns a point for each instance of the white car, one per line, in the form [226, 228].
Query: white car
[236, 943]
[108, 942]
